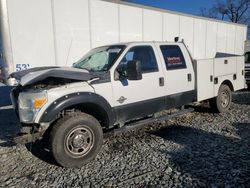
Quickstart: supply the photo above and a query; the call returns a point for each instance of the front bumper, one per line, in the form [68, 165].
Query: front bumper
[27, 138]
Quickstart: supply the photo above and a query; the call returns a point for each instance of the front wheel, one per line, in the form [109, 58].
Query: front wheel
[223, 101]
[76, 139]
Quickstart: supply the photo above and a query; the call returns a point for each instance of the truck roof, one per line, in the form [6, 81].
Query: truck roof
[143, 42]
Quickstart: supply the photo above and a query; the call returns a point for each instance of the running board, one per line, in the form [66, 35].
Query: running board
[142, 123]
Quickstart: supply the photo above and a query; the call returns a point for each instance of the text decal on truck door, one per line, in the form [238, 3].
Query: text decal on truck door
[173, 57]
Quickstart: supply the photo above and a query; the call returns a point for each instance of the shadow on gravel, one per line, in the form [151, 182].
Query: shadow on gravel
[9, 127]
[203, 109]
[38, 150]
[242, 97]
[212, 159]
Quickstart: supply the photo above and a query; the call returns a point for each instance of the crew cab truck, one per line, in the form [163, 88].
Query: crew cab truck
[112, 86]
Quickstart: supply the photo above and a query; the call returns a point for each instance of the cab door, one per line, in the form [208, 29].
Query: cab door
[178, 74]
[138, 98]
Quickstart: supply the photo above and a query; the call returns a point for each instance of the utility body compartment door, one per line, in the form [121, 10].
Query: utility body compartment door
[138, 98]
[205, 78]
[178, 73]
[225, 66]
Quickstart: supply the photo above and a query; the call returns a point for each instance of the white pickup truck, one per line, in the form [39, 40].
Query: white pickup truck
[117, 86]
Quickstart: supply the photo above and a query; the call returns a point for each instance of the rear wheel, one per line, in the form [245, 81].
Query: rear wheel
[223, 101]
[76, 139]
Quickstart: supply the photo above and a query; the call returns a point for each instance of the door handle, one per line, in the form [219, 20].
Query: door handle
[211, 78]
[189, 77]
[161, 81]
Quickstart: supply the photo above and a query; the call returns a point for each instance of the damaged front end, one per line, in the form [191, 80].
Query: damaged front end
[31, 94]
[27, 103]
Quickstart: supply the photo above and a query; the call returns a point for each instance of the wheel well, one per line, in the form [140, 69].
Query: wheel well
[229, 84]
[92, 109]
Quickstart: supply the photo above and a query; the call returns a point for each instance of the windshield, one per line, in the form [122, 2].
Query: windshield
[247, 57]
[100, 59]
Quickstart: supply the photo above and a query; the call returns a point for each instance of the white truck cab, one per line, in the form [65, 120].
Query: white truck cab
[112, 86]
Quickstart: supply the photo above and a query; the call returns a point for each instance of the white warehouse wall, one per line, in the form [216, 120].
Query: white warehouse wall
[59, 32]
[72, 30]
[31, 31]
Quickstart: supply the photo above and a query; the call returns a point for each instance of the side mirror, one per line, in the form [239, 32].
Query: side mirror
[134, 70]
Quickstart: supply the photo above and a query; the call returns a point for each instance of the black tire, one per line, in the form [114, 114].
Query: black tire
[75, 140]
[223, 101]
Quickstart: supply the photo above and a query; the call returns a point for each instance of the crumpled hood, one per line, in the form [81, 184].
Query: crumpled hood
[31, 76]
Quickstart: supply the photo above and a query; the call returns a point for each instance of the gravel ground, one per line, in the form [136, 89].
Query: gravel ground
[200, 149]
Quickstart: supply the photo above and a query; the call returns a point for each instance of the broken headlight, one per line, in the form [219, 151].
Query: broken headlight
[29, 105]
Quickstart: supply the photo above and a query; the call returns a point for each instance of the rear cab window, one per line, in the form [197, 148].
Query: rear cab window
[173, 57]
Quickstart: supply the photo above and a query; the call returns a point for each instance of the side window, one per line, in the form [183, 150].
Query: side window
[173, 57]
[144, 54]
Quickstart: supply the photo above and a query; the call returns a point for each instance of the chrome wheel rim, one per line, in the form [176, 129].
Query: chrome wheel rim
[79, 141]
